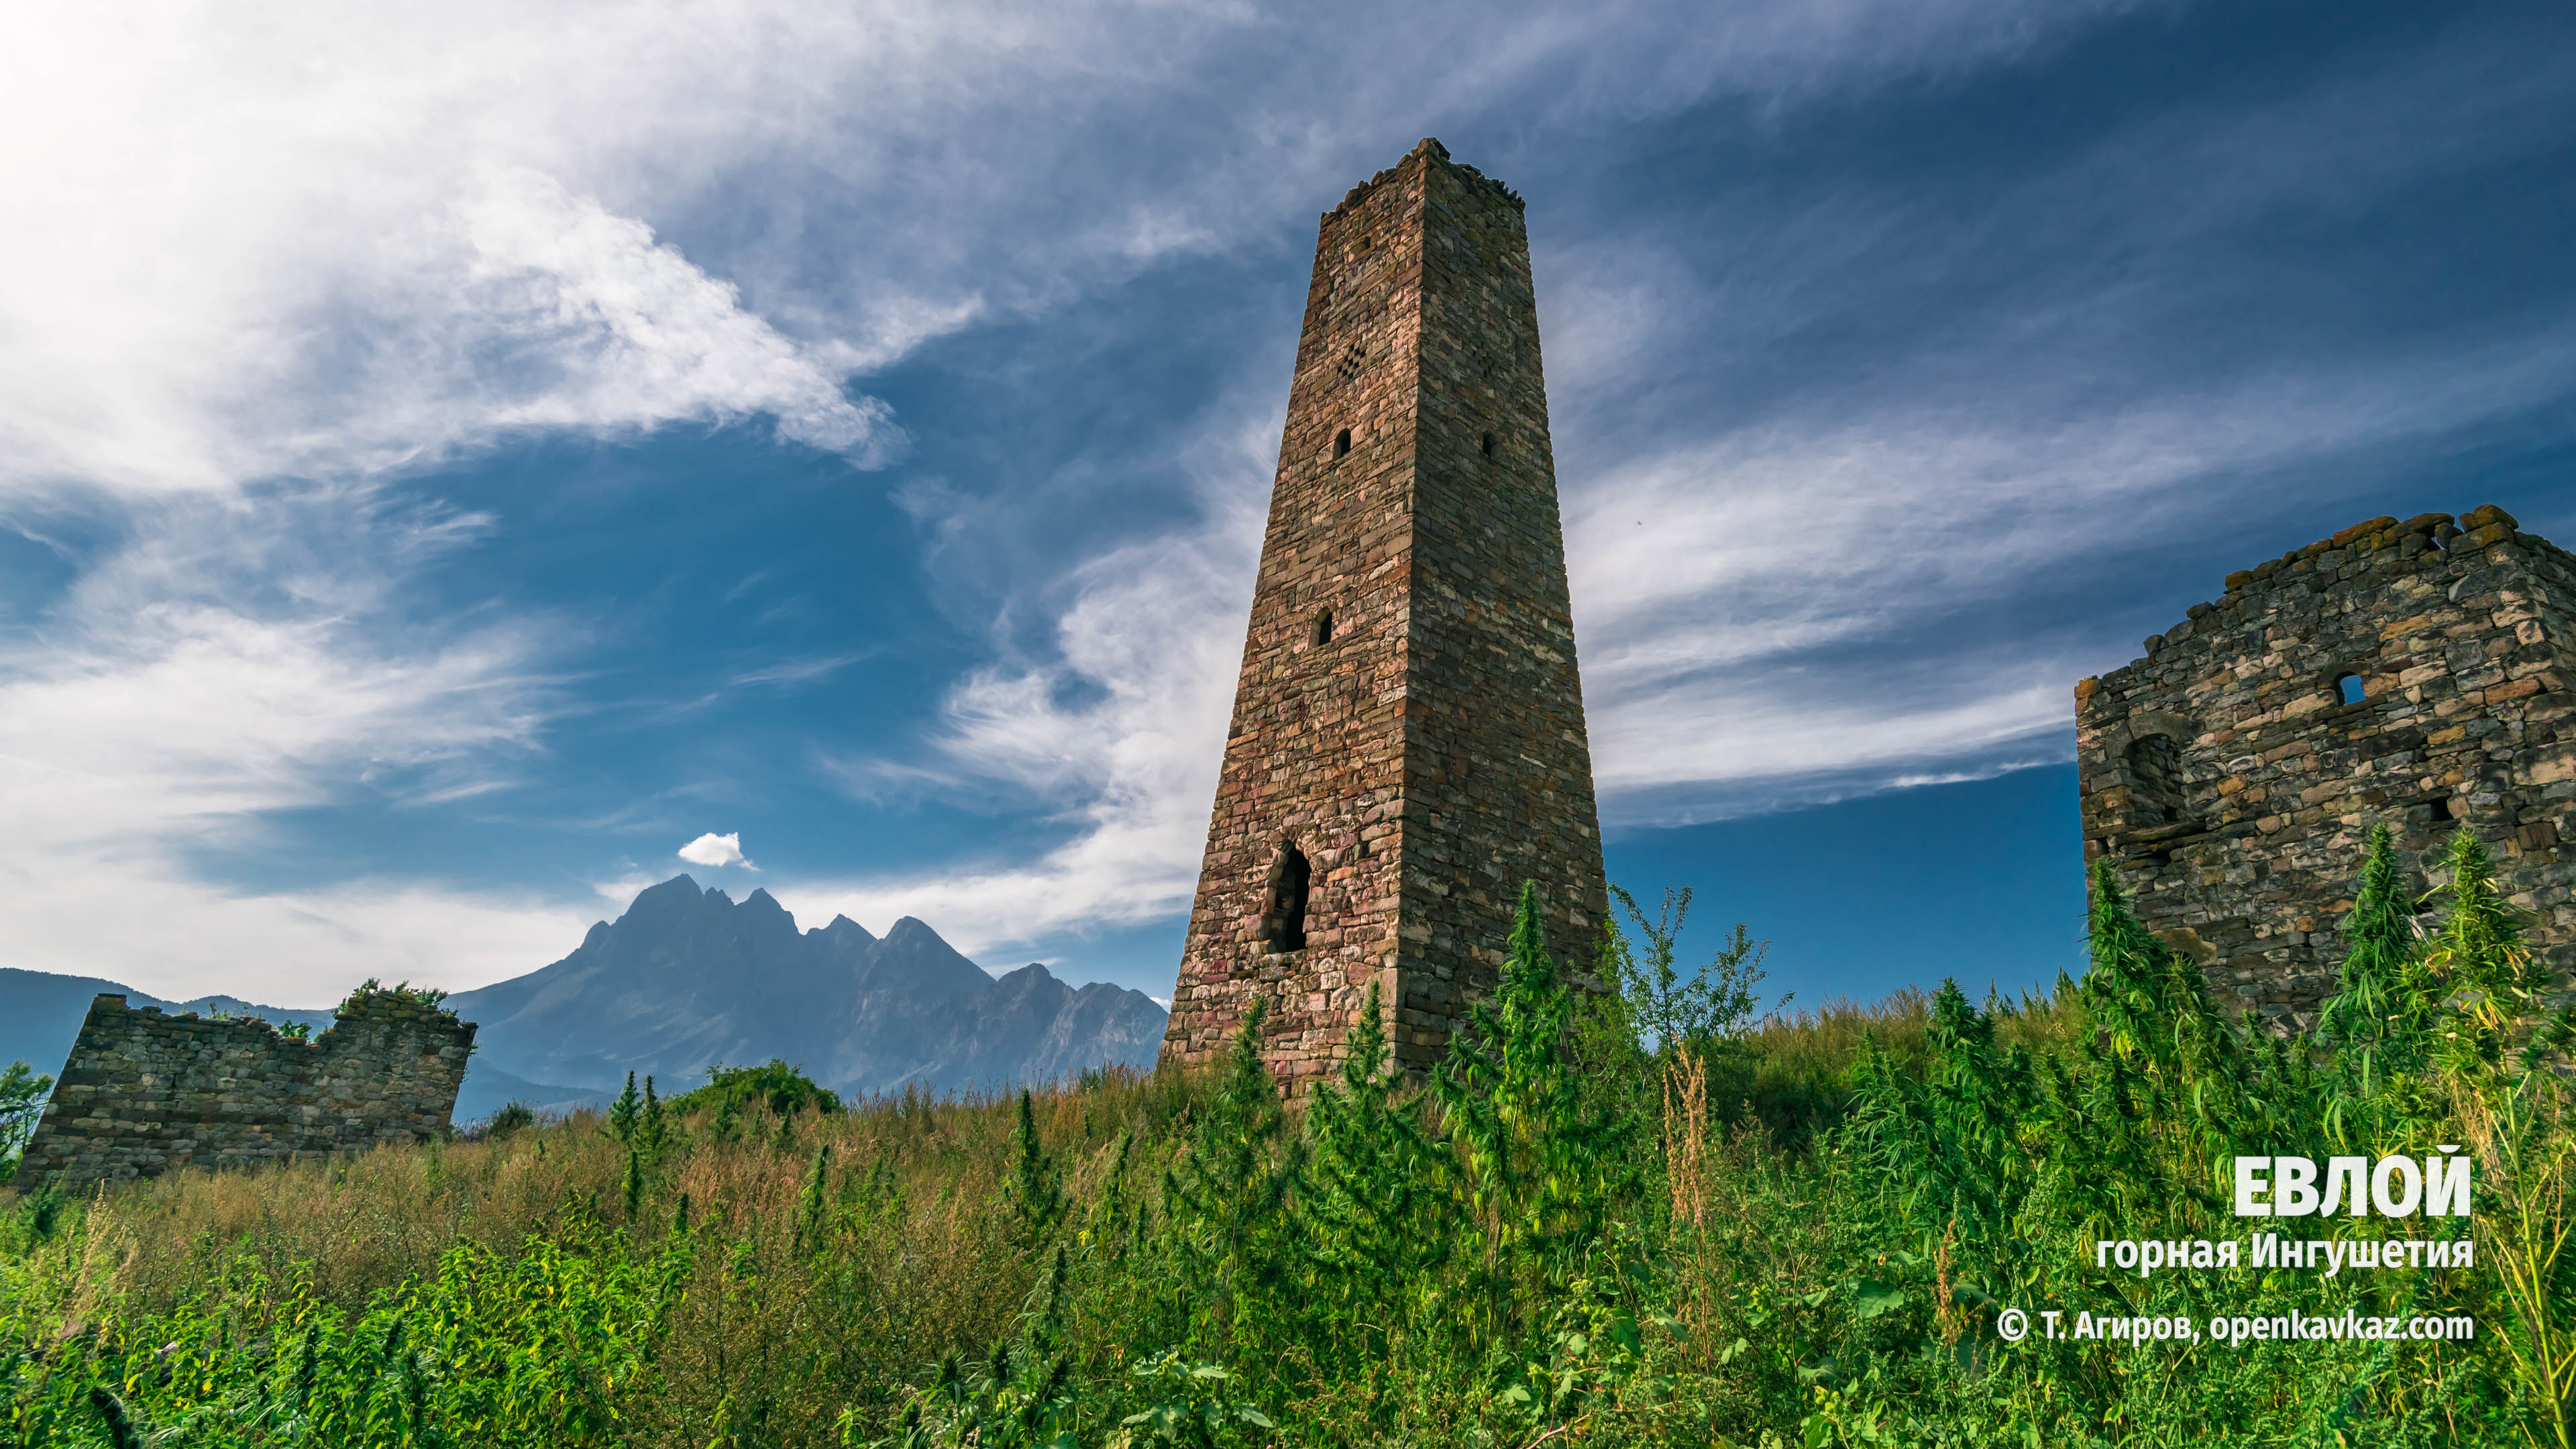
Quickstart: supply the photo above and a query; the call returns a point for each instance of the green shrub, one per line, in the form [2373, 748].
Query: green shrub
[773, 1087]
[22, 1102]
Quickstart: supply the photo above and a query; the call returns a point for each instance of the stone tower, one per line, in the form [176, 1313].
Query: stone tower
[2417, 674]
[1407, 745]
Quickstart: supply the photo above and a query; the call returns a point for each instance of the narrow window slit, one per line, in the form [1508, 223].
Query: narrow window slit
[1342, 443]
[1488, 445]
[1324, 627]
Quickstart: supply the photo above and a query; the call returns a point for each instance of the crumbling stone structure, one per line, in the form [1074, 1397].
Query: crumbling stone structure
[2417, 674]
[1407, 744]
[143, 1093]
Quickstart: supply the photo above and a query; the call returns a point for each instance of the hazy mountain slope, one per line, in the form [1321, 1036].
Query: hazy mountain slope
[688, 977]
[488, 1089]
[41, 1013]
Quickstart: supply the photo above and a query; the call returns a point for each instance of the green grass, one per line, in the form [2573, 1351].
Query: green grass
[1787, 1232]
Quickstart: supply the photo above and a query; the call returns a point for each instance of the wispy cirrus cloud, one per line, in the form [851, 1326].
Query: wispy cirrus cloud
[1826, 604]
[311, 253]
[1891, 573]
[1149, 639]
[314, 240]
[218, 669]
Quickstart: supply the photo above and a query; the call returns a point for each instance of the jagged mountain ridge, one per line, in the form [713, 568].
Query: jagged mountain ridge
[688, 977]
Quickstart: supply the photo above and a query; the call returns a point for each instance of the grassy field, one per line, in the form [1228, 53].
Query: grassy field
[1634, 1219]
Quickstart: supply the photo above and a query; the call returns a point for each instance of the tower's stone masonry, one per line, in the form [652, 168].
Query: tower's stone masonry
[2232, 785]
[1407, 744]
[143, 1093]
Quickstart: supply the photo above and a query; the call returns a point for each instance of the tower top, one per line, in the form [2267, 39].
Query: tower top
[1429, 148]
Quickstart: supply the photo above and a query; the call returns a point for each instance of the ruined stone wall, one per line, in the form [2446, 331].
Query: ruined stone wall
[1408, 719]
[2232, 785]
[143, 1092]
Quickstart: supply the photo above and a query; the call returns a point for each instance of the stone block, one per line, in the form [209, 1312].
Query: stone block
[156, 1092]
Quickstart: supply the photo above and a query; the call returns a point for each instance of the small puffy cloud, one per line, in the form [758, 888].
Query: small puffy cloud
[713, 849]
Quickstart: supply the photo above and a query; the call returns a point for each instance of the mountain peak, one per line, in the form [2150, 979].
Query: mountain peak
[678, 894]
[843, 935]
[687, 977]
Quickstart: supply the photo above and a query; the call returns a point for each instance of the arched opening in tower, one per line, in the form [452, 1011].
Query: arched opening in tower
[1284, 925]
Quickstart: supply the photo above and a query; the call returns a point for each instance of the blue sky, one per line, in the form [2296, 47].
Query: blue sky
[453, 458]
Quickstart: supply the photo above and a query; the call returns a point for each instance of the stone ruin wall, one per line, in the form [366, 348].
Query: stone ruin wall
[2232, 786]
[143, 1092]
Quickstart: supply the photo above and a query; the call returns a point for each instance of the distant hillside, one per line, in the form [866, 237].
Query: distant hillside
[40, 1013]
[688, 977]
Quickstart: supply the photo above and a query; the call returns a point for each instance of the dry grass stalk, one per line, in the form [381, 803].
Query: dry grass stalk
[1686, 1136]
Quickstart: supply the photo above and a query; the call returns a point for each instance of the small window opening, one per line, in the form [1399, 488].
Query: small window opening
[1324, 627]
[2351, 688]
[1284, 924]
[1488, 445]
[2155, 781]
[1342, 443]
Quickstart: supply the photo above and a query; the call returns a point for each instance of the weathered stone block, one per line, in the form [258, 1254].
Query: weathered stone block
[143, 1092]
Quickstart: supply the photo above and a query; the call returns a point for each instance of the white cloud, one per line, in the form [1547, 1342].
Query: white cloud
[712, 849]
[322, 242]
[164, 714]
[160, 931]
[622, 890]
[1154, 632]
[1711, 583]
[304, 247]
[1708, 581]
[294, 239]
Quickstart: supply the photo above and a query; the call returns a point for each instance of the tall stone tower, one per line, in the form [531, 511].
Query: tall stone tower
[1408, 742]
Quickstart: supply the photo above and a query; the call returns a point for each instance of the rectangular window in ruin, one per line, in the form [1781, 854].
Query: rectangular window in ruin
[2156, 783]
